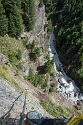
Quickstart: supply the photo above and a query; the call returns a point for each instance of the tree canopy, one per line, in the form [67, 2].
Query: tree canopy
[3, 21]
[12, 16]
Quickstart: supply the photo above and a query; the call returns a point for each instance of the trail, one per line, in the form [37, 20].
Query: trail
[66, 85]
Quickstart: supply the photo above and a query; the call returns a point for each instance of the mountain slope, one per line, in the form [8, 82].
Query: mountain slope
[17, 66]
[9, 93]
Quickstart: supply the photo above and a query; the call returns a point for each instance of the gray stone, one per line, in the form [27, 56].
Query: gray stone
[3, 59]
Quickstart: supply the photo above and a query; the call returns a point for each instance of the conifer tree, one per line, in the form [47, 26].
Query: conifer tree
[11, 28]
[13, 12]
[3, 21]
[8, 6]
[29, 13]
[15, 22]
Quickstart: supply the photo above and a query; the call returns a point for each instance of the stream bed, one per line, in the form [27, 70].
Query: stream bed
[66, 86]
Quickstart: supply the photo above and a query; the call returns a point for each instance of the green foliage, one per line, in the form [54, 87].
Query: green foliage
[31, 14]
[12, 56]
[13, 13]
[52, 86]
[3, 21]
[31, 46]
[47, 57]
[5, 74]
[29, 18]
[12, 28]
[19, 66]
[12, 48]
[50, 27]
[80, 72]
[34, 51]
[19, 54]
[36, 79]
[48, 66]
[31, 76]
[58, 111]
[40, 80]
[24, 42]
[41, 3]
[15, 25]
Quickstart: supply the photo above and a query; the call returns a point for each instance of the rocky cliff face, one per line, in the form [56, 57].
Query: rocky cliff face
[12, 99]
[39, 35]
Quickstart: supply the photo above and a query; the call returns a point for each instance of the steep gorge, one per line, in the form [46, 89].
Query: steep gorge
[17, 64]
[67, 18]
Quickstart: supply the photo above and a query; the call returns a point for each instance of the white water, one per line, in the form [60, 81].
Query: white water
[66, 85]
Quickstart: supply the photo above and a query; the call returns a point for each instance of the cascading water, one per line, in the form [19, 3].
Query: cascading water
[66, 85]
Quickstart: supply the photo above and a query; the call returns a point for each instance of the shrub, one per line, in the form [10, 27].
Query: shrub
[19, 54]
[57, 110]
[12, 56]
[36, 79]
[19, 65]
[41, 3]
[36, 52]
[48, 66]
[50, 27]
[31, 46]
[31, 76]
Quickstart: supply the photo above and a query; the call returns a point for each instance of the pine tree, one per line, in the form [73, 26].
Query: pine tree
[8, 6]
[11, 28]
[29, 13]
[3, 21]
[18, 23]
[13, 12]
[15, 22]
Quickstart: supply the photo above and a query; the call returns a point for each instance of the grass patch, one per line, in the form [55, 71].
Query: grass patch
[9, 44]
[58, 111]
[12, 48]
[5, 74]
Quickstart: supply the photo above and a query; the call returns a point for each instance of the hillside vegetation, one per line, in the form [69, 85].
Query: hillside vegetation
[28, 66]
[15, 16]
[67, 17]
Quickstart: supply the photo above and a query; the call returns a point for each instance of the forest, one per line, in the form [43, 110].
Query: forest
[67, 18]
[16, 15]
